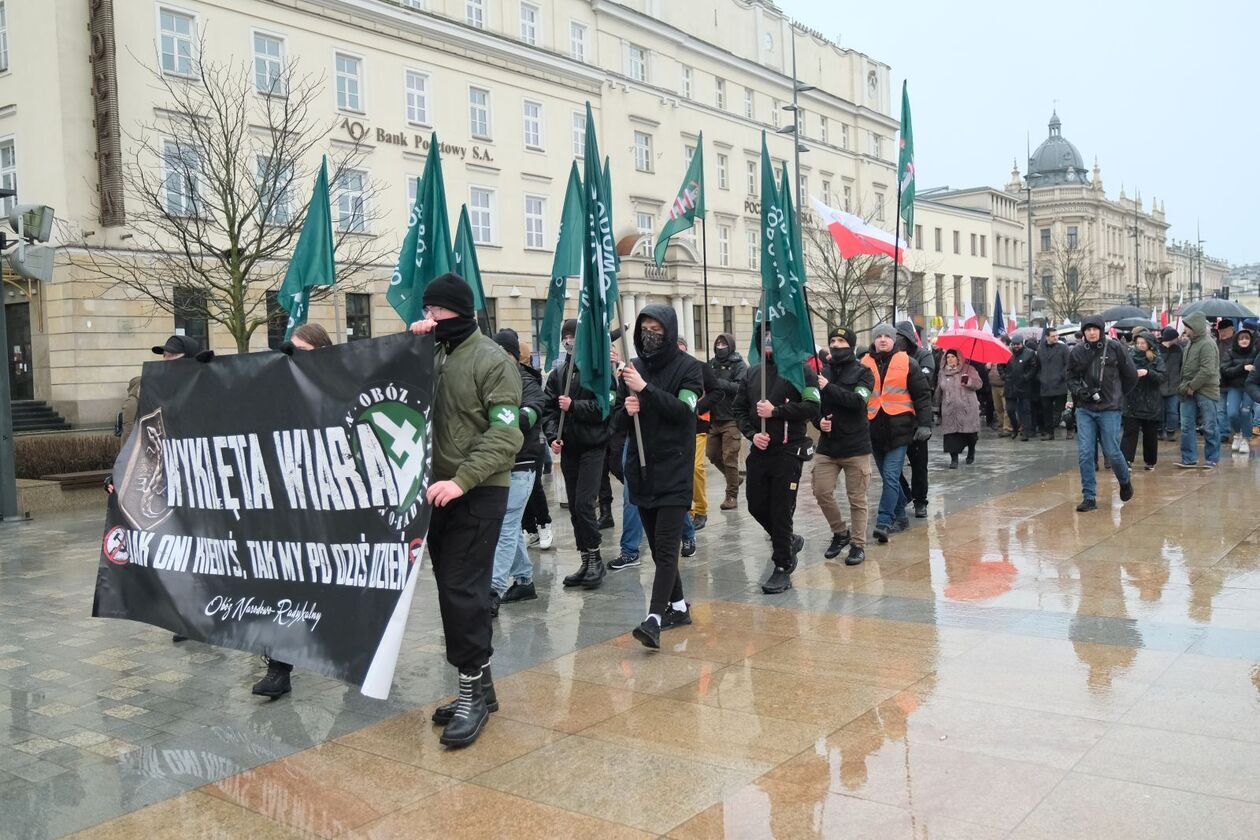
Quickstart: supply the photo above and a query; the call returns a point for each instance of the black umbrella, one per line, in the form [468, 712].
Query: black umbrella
[1217, 308]
[1116, 313]
[1131, 323]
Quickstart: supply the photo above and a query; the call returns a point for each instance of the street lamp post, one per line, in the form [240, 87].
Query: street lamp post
[795, 130]
[8, 469]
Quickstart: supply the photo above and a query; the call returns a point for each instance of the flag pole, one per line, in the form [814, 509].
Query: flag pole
[896, 253]
[762, 327]
[704, 257]
[625, 354]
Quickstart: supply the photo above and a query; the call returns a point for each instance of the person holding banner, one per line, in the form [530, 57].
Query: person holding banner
[661, 387]
[476, 436]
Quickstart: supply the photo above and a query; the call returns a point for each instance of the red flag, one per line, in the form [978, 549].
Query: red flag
[855, 237]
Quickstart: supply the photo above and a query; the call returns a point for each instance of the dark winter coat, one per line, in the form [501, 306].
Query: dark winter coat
[1252, 384]
[960, 408]
[667, 418]
[1145, 401]
[1235, 360]
[849, 385]
[792, 410]
[1104, 366]
[1172, 368]
[1020, 370]
[730, 372]
[1200, 363]
[713, 397]
[585, 428]
[532, 399]
[1052, 362]
[923, 356]
[889, 431]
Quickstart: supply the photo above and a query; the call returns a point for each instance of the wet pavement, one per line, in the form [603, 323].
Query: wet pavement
[1007, 668]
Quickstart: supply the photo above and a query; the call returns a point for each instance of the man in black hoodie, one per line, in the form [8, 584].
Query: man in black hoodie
[581, 448]
[724, 437]
[845, 445]
[774, 462]
[511, 557]
[1100, 373]
[1051, 366]
[1020, 371]
[917, 452]
[661, 387]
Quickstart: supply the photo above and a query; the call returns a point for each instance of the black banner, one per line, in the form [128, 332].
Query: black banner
[275, 504]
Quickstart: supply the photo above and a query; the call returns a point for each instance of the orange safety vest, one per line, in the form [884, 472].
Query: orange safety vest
[892, 395]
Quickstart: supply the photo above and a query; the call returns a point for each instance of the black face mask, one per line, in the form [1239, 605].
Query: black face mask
[452, 331]
[722, 352]
[841, 355]
[651, 343]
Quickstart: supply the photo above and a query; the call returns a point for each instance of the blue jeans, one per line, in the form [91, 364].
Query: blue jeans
[1191, 408]
[1222, 417]
[1238, 409]
[892, 501]
[511, 559]
[632, 525]
[1172, 413]
[1103, 427]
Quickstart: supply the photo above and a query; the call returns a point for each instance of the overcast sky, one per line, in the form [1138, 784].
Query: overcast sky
[1165, 94]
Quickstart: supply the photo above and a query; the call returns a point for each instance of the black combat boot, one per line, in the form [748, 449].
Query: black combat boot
[443, 714]
[594, 571]
[577, 577]
[470, 714]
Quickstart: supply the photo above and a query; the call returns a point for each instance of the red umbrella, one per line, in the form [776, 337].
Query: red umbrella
[976, 345]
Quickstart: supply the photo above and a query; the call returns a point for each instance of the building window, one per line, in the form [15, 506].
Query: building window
[481, 214]
[1072, 236]
[535, 214]
[689, 154]
[686, 82]
[877, 145]
[697, 327]
[352, 201]
[974, 250]
[802, 189]
[754, 249]
[774, 112]
[645, 223]
[177, 32]
[938, 294]
[192, 315]
[413, 187]
[537, 312]
[492, 314]
[728, 320]
[719, 93]
[1047, 282]
[724, 180]
[752, 176]
[918, 237]
[979, 294]
[937, 236]
[822, 128]
[8, 174]
[417, 98]
[724, 245]
[349, 83]
[1045, 239]
[182, 178]
[475, 13]
[358, 316]
[800, 120]
[479, 113]
[577, 41]
[4, 38]
[529, 24]
[957, 242]
[984, 245]
[579, 134]
[958, 294]
[637, 63]
[879, 207]
[277, 319]
[269, 65]
[914, 295]
[848, 198]
[532, 114]
[275, 190]
[844, 136]
[642, 151]
[826, 191]
[1073, 279]
[750, 104]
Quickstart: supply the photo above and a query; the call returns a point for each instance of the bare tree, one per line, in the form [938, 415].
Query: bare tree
[1069, 278]
[216, 187]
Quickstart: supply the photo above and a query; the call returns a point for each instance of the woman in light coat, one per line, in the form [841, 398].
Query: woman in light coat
[960, 408]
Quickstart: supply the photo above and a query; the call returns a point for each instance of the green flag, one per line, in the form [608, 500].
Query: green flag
[782, 282]
[312, 263]
[599, 278]
[616, 257]
[905, 162]
[567, 263]
[426, 249]
[688, 205]
[466, 266]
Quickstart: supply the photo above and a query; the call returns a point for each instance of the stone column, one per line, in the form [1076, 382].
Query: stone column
[688, 325]
[679, 310]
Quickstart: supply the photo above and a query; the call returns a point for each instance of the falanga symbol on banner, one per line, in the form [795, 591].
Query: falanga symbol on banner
[401, 428]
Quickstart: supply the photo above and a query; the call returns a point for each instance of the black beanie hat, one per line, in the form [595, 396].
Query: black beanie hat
[569, 328]
[511, 342]
[450, 292]
[1168, 334]
[844, 333]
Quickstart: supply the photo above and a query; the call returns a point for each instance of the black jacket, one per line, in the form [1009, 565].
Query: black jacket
[1234, 362]
[532, 399]
[1104, 367]
[1020, 371]
[585, 427]
[889, 431]
[667, 417]
[1144, 401]
[729, 372]
[1253, 384]
[923, 356]
[1172, 369]
[1052, 362]
[791, 410]
[713, 397]
[849, 384]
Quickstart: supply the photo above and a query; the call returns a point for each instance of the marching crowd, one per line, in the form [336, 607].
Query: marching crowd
[498, 426]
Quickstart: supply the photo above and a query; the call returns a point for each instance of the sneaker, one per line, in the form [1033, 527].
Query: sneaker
[699, 521]
[1209, 465]
[729, 503]
[274, 684]
[688, 548]
[798, 544]
[1149, 467]
[624, 561]
[649, 633]
[545, 538]
[899, 525]
[495, 600]
[1086, 506]
[780, 581]
[920, 510]
[520, 592]
[1126, 491]
[675, 618]
[856, 555]
[531, 539]
[882, 531]
[838, 542]
[178, 638]
[1190, 466]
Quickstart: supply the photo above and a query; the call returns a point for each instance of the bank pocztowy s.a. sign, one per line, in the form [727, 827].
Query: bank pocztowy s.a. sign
[361, 132]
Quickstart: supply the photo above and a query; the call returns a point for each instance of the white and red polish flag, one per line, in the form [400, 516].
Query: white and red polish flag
[971, 321]
[855, 237]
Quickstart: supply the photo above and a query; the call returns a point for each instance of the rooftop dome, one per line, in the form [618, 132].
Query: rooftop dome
[1056, 160]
